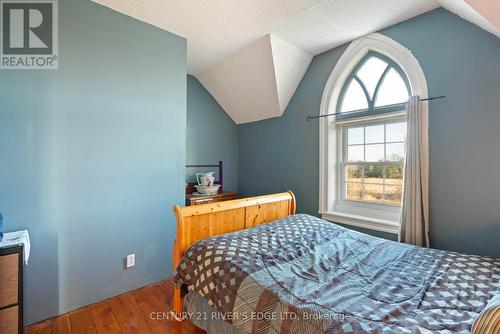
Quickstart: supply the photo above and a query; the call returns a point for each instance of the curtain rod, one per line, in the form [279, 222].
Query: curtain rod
[309, 117]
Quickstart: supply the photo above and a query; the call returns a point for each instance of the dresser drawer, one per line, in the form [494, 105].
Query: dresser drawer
[9, 278]
[230, 197]
[203, 201]
[9, 320]
[212, 199]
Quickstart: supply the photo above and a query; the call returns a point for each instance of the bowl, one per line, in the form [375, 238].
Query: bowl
[208, 190]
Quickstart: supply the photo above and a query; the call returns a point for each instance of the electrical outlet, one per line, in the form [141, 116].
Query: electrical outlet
[130, 261]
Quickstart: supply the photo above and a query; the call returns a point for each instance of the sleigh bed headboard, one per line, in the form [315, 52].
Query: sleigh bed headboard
[202, 221]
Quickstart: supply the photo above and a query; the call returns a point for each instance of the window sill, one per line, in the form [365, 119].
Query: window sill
[371, 223]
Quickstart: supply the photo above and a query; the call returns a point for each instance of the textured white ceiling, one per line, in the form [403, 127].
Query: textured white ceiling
[216, 29]
[251, 54]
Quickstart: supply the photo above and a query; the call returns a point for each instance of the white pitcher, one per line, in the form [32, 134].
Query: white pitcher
[205, 179]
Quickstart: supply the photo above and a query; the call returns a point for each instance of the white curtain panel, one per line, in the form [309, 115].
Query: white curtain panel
[414, 226]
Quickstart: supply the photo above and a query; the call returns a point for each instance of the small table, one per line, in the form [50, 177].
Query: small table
[194, 199]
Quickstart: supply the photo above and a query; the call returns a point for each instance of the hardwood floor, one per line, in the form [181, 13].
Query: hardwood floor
[132, 312]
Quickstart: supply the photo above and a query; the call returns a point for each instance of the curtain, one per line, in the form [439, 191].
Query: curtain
[414, 225]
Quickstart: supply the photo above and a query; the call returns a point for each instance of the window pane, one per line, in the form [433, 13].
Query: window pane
[394, 152]
[395, 132]
[394, 175]
[374, 134]
[355, 135]
[373, 193]
[392, 90]
[371, 72]
[354, 98]
[393, 195]
[353, 191]
[354, 173]
[374, 153]
[355, 153]
[374, 174]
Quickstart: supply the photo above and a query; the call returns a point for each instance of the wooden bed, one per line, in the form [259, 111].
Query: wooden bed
[202, 221]
[333, 279]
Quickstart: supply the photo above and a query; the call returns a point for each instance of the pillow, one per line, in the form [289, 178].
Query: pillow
[488, 321]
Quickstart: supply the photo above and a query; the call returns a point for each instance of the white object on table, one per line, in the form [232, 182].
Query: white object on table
[16, 238]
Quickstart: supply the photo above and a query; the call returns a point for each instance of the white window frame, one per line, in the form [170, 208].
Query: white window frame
[378, 217]
[376, 210]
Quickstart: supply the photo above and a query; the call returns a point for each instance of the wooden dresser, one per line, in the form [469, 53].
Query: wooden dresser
[204, 199]
[11, 292]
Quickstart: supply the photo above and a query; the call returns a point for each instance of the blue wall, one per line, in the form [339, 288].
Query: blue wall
[211, 134]
[460, 61]
[92, 158]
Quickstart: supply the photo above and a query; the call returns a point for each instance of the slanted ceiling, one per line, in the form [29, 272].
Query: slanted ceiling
[483, 13]
[251, 55]
[257, 82]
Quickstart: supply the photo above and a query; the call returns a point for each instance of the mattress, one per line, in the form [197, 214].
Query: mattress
[302, 274]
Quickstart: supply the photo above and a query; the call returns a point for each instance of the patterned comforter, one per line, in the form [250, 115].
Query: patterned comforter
[301, 274]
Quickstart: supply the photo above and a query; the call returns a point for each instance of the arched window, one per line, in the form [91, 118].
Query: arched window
[362, 148]
[375, 82]
[373, 151]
